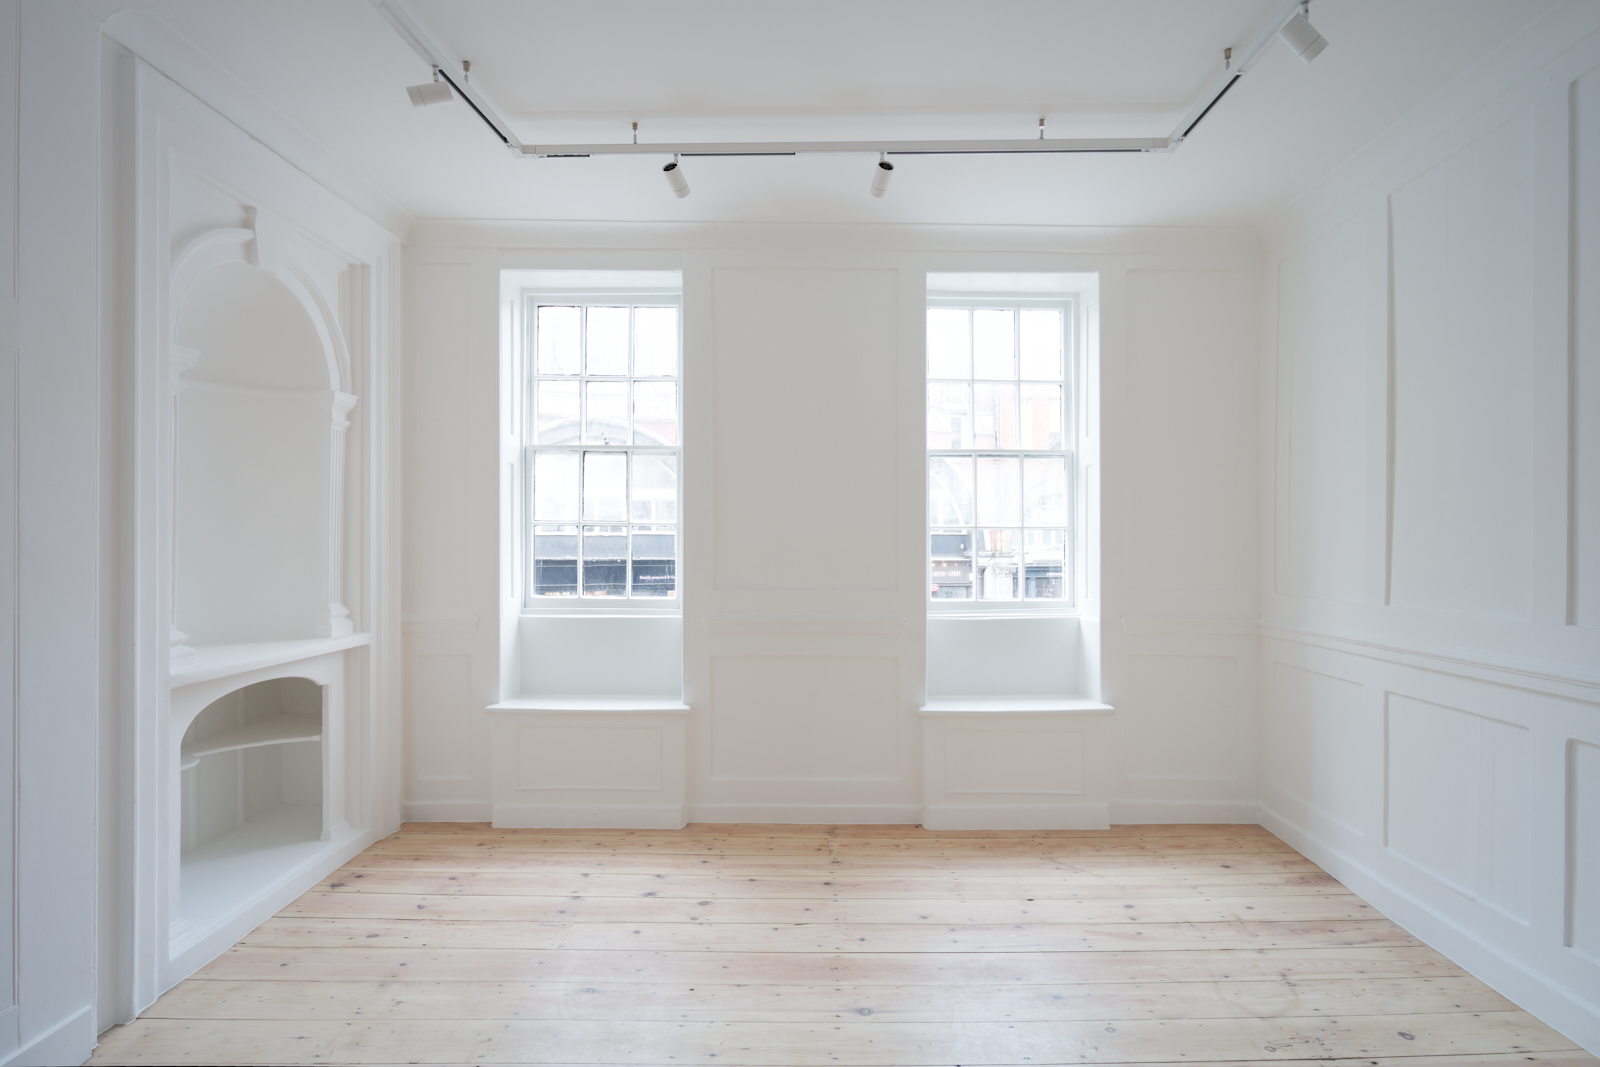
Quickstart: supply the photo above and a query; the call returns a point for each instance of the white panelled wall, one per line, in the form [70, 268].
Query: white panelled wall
[1430, 668]
[804, 543]
[1341, 473]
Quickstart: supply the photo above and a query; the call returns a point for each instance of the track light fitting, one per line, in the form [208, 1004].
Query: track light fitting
[1289, 21]
[428, 93]
[675, 178]
[881, 174]
[1302, 37]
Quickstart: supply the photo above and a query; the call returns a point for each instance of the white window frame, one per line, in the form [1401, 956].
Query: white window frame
[525, 371]
[1071, 384]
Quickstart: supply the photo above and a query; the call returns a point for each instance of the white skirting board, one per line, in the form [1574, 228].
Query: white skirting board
[1165, 812]
[1077, 815]
[69, 1041]
[809, 814]
[1532, 992]
[589, 816]
[446, 811]
[1121, 812]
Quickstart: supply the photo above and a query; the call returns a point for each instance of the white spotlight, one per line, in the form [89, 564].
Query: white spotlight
[881, 175]
[434, 92]
[1300, 35]
[675, 178]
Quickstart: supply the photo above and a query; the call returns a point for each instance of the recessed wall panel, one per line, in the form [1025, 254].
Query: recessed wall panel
[1192, 507]
[807, 447]
[1583, 849]
[601, 656]
[789, 718]
[439, 727]
[1459, 798]
[1047, 762]
[589, 757]
[1462, 384]
[438, 551]
[1585, 289]
[1003, 657]
[1324, 745]
[1432, 789]
[1183, 717]
[1322, 424]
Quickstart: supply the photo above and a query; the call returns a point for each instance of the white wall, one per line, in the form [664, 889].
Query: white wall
[1431, 568]
[50, 533]
[804, 686]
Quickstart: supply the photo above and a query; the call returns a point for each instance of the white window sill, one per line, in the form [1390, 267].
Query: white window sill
[978, 705]
[585, 705]
[967, 609]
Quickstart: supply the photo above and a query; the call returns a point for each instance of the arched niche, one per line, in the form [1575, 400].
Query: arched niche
[260, 434]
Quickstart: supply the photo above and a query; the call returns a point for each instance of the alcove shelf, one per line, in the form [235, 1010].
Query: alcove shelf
[210, 662]
[277, 730]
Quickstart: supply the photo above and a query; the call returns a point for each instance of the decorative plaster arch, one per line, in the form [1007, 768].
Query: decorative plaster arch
[190, 701]
[239, 244]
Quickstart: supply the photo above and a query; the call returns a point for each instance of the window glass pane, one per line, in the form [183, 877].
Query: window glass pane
[556, 419]
[950, 490]
[655, 488]
[655, 413]
[994, 349]
[555, 561]
[1044, 491]
[557, 329]
[949, 415]
[949, 343]
[655, 342]
[951, 552]
[608, 341]
[555, 486]
[994, 415]
[605, 493]
[1041, 343]
[1041, 416]
[655, 568]
[606, 422]
[1044, 561]
[999, 490]
[605, 561]
[997, 564]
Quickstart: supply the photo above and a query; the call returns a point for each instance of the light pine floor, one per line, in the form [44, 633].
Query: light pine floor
[836, 945]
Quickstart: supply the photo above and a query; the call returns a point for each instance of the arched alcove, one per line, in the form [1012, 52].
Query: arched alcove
[259, 446]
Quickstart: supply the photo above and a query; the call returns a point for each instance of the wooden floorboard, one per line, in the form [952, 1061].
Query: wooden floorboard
[797, 945]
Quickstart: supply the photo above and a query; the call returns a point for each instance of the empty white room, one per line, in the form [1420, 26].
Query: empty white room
[903, 532]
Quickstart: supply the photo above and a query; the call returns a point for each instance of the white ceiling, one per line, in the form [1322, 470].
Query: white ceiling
[335, 72]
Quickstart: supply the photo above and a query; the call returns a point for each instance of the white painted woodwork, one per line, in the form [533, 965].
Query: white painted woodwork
[599, 655]
[257, 536]
[589, 762]
[804, 668]
[1584, 607]
[1016, 768]
[1430, 694]
[54, 558]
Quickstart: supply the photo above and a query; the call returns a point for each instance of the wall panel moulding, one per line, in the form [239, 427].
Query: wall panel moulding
[261, 367]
